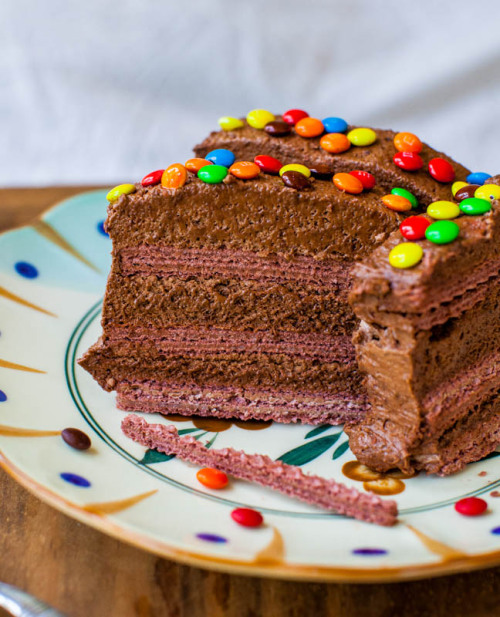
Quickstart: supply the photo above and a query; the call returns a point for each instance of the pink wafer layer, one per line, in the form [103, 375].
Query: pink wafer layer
[262, 470]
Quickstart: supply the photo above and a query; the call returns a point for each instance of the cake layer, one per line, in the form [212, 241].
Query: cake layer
[287, 479]
[242, 403]
[247, 142]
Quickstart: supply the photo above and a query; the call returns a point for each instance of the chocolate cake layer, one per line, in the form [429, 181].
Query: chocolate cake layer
[276, 475]
[247, 142]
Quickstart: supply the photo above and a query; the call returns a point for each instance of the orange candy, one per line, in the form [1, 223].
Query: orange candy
[194, 165]
[335, 143]
[174, 176]
[347, 183]
[245, 170]
[212, 478]
[309, 127]
[407, 142]
[397, 203]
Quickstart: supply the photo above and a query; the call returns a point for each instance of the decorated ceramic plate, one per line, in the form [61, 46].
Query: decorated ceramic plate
[52, 278]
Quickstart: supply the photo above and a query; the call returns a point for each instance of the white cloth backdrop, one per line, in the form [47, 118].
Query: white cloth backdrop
[107, 90]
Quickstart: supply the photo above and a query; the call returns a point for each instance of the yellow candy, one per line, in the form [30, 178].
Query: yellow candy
[296, 167]
[488, 191]
[405, 255]
[121, 189]
[227, 123]
[443, 210]
[362, 137]
[258, 118]
[456, 186]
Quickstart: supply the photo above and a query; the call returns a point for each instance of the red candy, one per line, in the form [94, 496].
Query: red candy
[441, 170]
[471, 506]
[268, 164]
[413, 228]
[367, 180]
[153, 178]
[292, 116]
[409, 161]
[247, 517]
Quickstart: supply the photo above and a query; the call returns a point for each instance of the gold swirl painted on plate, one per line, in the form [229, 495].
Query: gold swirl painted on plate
[15, 298]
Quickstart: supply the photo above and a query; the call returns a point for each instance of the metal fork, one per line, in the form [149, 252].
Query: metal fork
[21, 604]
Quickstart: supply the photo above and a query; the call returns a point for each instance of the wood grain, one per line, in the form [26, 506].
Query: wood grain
[87, 574]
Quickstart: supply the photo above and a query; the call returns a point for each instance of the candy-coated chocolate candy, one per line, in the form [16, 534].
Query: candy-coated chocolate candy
[405, 255]
[396, 203]
[75, 438]
[292, 116]
[194, 165]
[365, 177]
[295, 180]
[362, 137]
[409, 161]
[335, 143]
[278, 128]
[268, 164]
[212, 478]
[488, 191]
[221, 156]
[407, 142]
[296, 167]
[456, 186]
[258, 118]
[227, 123]
[441, 170]
[413, 228]
[442, 232]
[212, 174]
[245, 170]
[335, 125]
[174, 176]
[397, 190]
[466, 191]
[478, 177]
[118, 191]
[153, 178]
[443, 210]
[247, 517]
[348, 183]
[322, 172]
[309, 127]
[474, 206]
[471, 506]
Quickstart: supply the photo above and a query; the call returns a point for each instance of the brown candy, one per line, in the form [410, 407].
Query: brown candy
[295, 180]
[278, 128]
[76, 438]
[321, 172]
[466, 192]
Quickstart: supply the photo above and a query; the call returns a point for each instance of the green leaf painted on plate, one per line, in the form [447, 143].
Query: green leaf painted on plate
[153, 456]
[186, 431]
[340, 450]
[210, 443]
[309, 451]
[317, 431]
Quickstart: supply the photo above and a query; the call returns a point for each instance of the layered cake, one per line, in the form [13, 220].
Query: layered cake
[306, 270]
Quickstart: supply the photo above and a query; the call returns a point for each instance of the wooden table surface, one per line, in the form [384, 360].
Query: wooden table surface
[84, 573]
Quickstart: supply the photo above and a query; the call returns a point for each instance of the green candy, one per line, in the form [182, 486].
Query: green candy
[474, 205]
[442, 232]
[212, 174]
[407, 195]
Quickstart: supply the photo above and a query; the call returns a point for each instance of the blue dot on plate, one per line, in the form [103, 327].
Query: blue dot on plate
[221, 156]
[75, 479]
[496, 531]
[100, 229]
[478, 177]
[369, 551]
[211, 537]
[25, 269]
[335, 125]
[3, 396]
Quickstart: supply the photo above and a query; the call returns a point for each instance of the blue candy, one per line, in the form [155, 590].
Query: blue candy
[221, 156]
[335, 125]
[478, 177]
